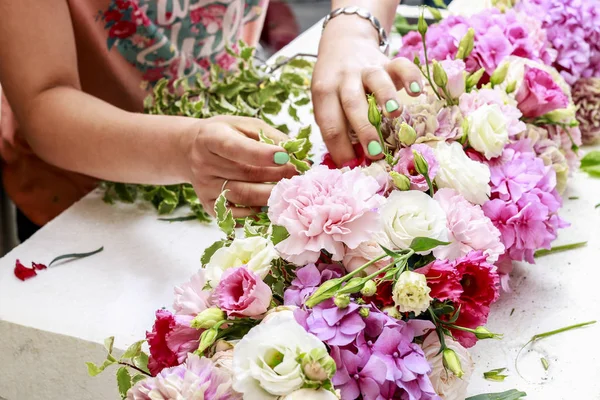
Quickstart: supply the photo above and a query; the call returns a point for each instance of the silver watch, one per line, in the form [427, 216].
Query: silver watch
[361, 12]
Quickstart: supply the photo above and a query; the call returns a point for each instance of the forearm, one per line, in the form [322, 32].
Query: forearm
[77, 132]
[383, 10]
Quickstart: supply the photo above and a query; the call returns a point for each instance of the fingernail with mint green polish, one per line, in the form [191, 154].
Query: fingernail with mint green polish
[281, 158]
[391, 106]
[264, 209]
[415, 87]
[374, 148]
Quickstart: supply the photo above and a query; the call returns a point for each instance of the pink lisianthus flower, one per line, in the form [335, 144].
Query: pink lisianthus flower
[406, 165]
[170, 340]
[241, 293]
[539, 94]
[455, 70]
[191, 298]
[470, 102]
[325, 209]
[469, 229]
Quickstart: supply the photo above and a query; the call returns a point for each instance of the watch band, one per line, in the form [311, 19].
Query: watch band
[365, 14]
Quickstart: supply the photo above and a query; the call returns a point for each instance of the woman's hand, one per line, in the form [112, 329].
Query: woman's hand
[350, 64]
[225, 153]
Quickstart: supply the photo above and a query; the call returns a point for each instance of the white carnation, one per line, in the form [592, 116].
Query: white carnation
[411, 293]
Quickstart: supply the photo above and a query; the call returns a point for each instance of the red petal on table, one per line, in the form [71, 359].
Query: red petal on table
[38, 266]
[24, 273]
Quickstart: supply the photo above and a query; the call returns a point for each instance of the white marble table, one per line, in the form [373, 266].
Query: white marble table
[51, 325]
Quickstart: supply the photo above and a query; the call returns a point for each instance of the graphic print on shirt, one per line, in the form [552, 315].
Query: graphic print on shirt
[177, 38]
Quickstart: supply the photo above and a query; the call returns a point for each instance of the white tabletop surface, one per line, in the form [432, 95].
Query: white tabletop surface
[51, 325]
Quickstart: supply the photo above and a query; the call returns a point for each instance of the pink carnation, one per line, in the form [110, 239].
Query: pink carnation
[539, 94]
[406, 165]
[170, 341]
[469, 229]
[323, 210]
[242, 293]
[191, 298]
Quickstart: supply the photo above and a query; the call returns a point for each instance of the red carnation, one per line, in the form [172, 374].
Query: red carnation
[360, 161]
[443, 279]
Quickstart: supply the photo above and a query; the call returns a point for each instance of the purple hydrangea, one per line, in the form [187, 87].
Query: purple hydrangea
[307, 280]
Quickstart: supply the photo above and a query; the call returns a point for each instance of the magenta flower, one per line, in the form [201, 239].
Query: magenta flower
[324, 209]
[358, 374]
[307, 280]
[539, 94]
[406, 165]
[492, 47]
[241, 293]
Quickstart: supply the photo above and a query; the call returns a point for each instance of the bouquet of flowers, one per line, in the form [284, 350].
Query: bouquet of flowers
[371, 281]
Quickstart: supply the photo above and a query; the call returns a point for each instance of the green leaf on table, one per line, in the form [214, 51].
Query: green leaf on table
[495, 375]
[279, 234]
[123, 381]
[75, 256]
[293, 145]
[293, 112]
[512, 394]
[545, 363]
[94, 370]
[208, 253]
[108, 344]
[558, 249]
[264, 138]
[141, 361]
[591, 159]
[185, 218]
[593, 171]
[300, 165]
[421, 244]
[126, 193]
[166, 207]
[224, 215]
[133, 351]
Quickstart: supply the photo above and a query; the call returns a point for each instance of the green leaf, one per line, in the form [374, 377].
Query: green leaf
[437, 15]
[545, 363]
[141, 361]
[249, 229]
[108, 344]
[126, 193]
[294, 145]
[302, 102]
[279, 234]
[593, 171]
[192, 217]
[300, 63]
[296, 79]
[166, 207]
[264, 138]
[591, 159]
[440, 3]
[422, 244]
[123, 381]
[137, 378]
[495, 375]
[133, 351]
[75, 256]
[293, 112]
[224, 215]
[300, 165]
[389, 252]
[305, 150]
[94, 370]
[283, 128]
[208, 253]
[512, 394]
[247, 53]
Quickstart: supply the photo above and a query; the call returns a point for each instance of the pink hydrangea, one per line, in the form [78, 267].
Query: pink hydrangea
[469, 229]
[191, 298]
[170, 340]
[325, 209]
[406, 165]
[539, 94]
[241, 293]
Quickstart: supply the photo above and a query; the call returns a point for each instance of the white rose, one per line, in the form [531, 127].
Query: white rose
[447, 385]
[255, 252]
[411, 214]
[311, 394]
[411, 293]
[457, 171]
[367, 251]
[265, 361]
[488, 132]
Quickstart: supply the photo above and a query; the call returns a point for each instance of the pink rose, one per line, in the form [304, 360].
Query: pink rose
[455, 69]
[367, 251]
[539, 94]
[241, 293]
[171, 340]
[325, 209]
[406, 165]
[469, 229]
[191, 298]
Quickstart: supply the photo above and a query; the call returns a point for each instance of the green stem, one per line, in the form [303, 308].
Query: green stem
[428, 76]
[558, 249]
[141, 371]
[438, 330]
[428, 180]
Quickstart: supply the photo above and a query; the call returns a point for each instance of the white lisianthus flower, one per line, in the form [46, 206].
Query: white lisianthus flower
[411, 293]
[411, 214]
[265, 361]
[311, 394]
[447, 385]
[457, 171]
[488, 131]
[255, 252]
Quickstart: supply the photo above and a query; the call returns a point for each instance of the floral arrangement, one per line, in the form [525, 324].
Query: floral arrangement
[372, 281]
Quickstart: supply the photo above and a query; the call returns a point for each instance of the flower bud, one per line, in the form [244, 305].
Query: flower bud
[341, 300]
[482, 333]
[420, 163]
[563, 115]
[318, 366]
[208, 318]
[400, 181]
[392, 312]
[474, 78]
[422, 25]
[452, 362]
[374, 113]
[466, 44]
[511, 87]
[354, 285]
[324, 292]
[364, 312]
[499, 74]
[439, 75]
[369, 289]
[207, 339]
[406, 134]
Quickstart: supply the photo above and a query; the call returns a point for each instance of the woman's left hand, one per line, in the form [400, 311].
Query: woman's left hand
[350, 64]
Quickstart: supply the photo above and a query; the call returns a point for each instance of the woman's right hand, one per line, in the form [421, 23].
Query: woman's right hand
[224, 152]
